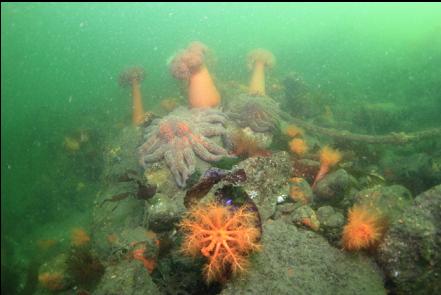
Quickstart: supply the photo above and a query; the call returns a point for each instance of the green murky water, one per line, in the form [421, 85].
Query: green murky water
[59, 80]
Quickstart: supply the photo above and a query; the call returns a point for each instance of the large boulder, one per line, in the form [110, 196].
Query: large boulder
[411, 251]
[334, 187]
[294, 261]
[126, 277]
[267, 180]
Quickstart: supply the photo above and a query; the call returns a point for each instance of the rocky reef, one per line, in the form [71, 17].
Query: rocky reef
[410, 253]
[294, 261]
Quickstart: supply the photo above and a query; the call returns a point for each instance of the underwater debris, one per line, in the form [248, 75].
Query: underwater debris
[258, 60]
[189, 65]
[392, 138]
[208, 180]
[225, 237]
[133, 77]
[179, 136]
[364, 229]
[260, 113]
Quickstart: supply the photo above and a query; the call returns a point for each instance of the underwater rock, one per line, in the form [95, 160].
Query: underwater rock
[331, 223]
[284, 210]
[119, 155]
[411, 251]
[210, 178]
[392, 200]
[163, 213]
[126, 277]
[305, 216]
[306, 169]
[110, 219]
[53, 275]
[300, 191]
[295, 261]
[159, 175]
[334, 186]
[416, 171]
[267, 180]
[84, 266]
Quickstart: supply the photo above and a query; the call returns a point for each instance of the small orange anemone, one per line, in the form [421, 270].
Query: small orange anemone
[258, 60]
[189, 65]
[140, 254]
[223, 235]
[293, 131]
[132, 78]
[298, 146]
[52, 281]
[79, 237]
[328, 158]
[364, 229]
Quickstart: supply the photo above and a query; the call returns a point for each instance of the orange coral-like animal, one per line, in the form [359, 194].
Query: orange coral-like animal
[293, 131]
[298, 146]
[364, 229]
[52, 281]
[328, 158]
[223, 235]
[79, 237]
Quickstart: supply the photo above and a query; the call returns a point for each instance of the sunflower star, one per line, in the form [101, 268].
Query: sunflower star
[179, 136]
[260, 113]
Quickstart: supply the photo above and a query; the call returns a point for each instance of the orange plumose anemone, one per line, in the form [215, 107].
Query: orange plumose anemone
[132, 78]
[258, 60]
[225, 236]
[189, 65]
[364, 229]
[52, 281]
[298, 146]
[328, 158]
[293, 131]
[79, 237]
